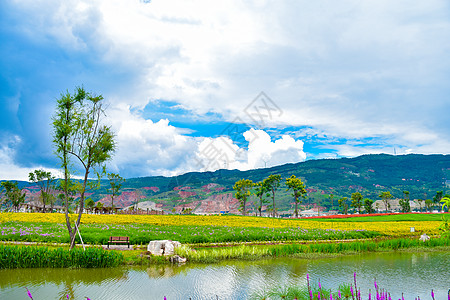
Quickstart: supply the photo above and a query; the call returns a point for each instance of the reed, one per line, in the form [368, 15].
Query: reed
[44, 257]
[246, 252]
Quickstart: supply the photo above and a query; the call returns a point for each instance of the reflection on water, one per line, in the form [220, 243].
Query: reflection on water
[414, 274]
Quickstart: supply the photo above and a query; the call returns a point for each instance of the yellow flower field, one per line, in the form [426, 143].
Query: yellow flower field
[397, 228]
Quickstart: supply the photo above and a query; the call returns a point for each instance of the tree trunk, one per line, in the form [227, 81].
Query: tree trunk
[81, 207]
[273, 204]
[296, 207]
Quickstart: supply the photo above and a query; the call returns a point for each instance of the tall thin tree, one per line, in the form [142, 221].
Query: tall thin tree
[79, 134]
[243, 191]
[357, 201]
[45, 180]
[273, 183]
[261, 190]
[115, 184]
[385, 197]
[298, 190]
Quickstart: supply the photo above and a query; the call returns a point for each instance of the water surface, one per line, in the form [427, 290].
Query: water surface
[414, 274]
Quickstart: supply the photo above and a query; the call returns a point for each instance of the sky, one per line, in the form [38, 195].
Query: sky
[204, 85]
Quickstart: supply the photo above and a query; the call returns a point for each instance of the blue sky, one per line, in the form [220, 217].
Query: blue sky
[201, 85]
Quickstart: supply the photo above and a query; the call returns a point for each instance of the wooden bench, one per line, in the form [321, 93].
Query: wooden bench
[119, 240]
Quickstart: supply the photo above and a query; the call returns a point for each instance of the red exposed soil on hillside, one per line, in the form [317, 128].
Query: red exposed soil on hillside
[184, 194]
[125, 199]
[216, 204]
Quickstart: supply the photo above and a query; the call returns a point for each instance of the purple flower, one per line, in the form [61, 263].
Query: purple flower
[339, 294]
[29, 294]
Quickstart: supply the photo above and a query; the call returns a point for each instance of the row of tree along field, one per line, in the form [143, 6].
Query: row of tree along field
[266, 189]
[51, 194]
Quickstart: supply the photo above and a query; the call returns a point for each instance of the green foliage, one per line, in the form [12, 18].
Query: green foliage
[445, 227]
[90, 203]
[298, 188]
[243, 191]
[357, 201]
[445, 203]
[343, 205]
[46, 182]
[261, 190]
[385, 197]
[13, 195]
[404, 202]
[115, 183]
[43, 257]
[428, 204]
[412, 217]
[273, 183]
[80, 134]
[368, 206]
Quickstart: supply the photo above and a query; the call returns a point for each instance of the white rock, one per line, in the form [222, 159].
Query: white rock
[424, 237]
[176, 259]
[162, 247]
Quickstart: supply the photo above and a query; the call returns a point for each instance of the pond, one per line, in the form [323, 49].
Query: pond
[414, 274]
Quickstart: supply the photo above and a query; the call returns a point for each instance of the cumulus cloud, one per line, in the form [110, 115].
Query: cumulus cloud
[158, 148]
[222, 153]
[147, 148]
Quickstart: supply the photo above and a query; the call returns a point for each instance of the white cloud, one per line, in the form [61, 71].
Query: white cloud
[158, 148]
[9, 170]
[149, 148]
[220, 153]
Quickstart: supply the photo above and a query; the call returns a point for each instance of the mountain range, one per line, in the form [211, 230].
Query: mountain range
[212, 192]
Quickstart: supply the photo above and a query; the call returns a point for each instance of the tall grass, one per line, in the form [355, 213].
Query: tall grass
[209, 255]
[43, 257]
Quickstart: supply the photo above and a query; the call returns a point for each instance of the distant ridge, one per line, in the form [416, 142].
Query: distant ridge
[421, 175]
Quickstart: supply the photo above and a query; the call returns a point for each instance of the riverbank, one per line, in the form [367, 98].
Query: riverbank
[27, 255]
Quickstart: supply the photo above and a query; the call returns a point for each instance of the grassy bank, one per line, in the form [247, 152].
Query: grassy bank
[211, 255]
[45, 257]
[52, 256]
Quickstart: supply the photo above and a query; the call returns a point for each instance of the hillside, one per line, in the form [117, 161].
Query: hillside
[421, 175]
